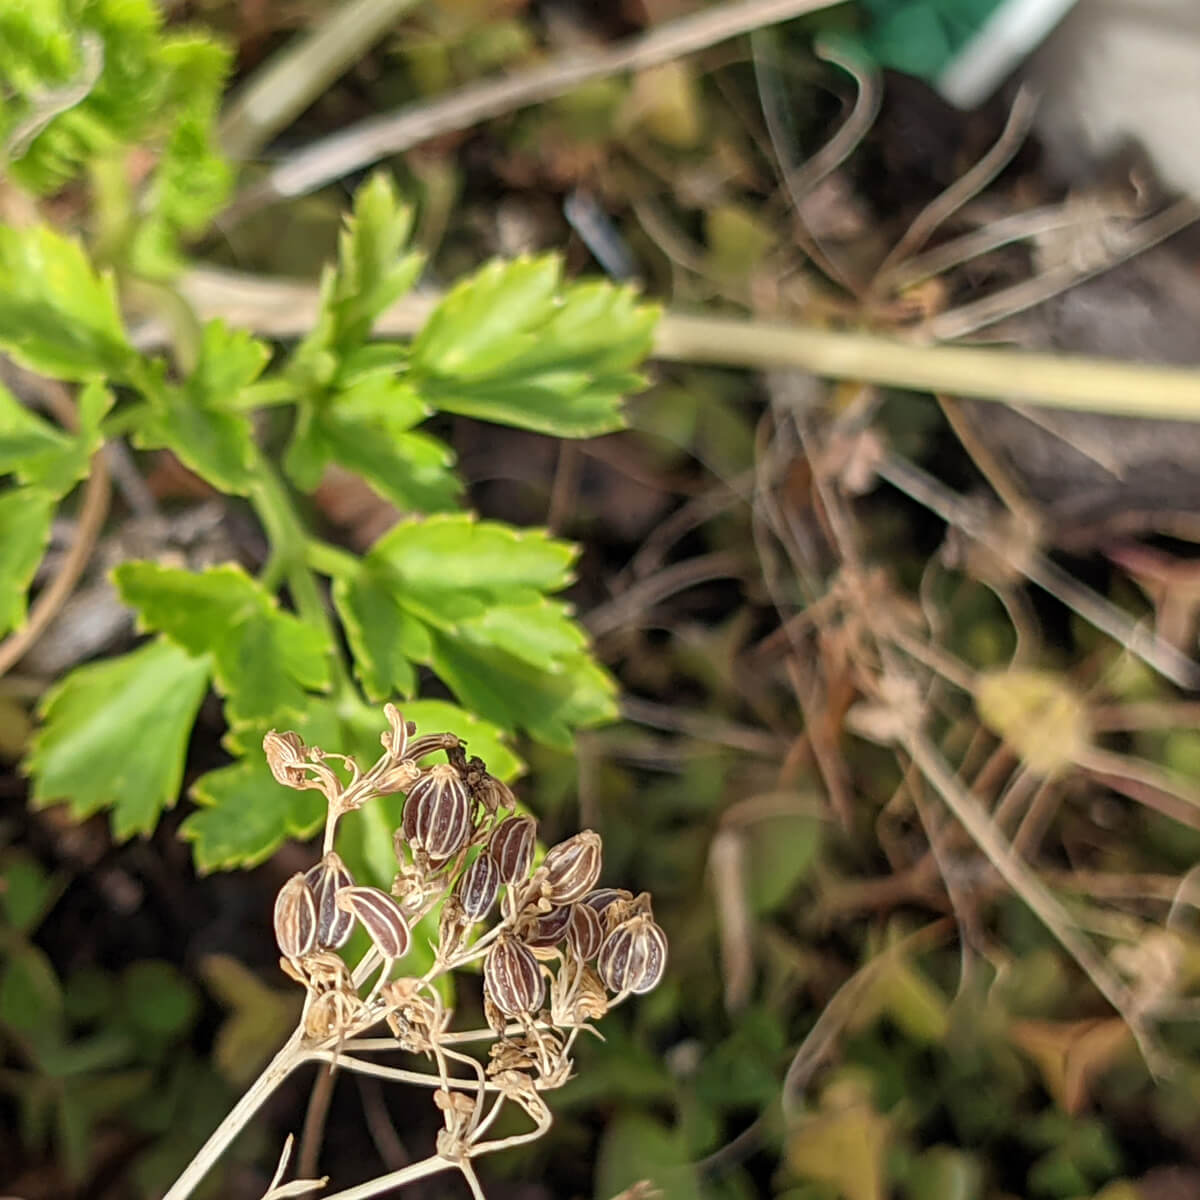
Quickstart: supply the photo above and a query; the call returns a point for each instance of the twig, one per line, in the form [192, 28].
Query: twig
[56, 101]
[1026, 884]
[313, 1133]
[283, 309]
[970, 184]
[96, 495]
[369, 141]
[958, 322]
[283, 88]
[1047, 575]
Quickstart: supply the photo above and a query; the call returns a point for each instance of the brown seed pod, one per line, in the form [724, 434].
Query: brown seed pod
[295, 918]
[437, 813]
[572, 867]
[586, 933]
[325, 880]
[477, 887]
[546, 929]
[511, 845]
[633, 956]
[512, 979]
[380, 916]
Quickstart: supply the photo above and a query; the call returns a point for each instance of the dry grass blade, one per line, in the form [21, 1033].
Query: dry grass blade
[361, 145]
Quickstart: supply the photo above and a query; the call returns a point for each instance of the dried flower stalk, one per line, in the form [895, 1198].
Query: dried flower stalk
[460, 848]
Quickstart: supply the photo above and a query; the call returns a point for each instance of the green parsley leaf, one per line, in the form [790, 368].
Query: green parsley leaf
[468, 598]
[115, 734]
[193, 419]
[57, 316]
[245, 815]
[263, 658]
[36, 452]
[512, 344]
[25, 517]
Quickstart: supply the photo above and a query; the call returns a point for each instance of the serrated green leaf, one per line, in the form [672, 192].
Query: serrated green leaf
[516, 695]
[244, 815]
[372, 272]
[57, 316]
[129, 81]
[37, 453]
[455, 552]
[263, 657]
[114, 735]
[512, 345]
[25, 518]
[410, 470]
[384, 639]
[193, 419]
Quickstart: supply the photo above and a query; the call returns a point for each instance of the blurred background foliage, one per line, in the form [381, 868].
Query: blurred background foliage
[858, 1005]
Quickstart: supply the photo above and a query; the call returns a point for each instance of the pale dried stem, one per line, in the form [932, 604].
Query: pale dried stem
[291, 80]
[284, 309]
[352, 149]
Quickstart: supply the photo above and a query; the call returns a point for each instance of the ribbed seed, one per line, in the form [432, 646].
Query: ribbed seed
[512, 845]
[572, 867]
[380, 916]
[477, 887]
[325, 880]
[512, 978]
[586, 934]
[633, 956]
[437, 813]
[295, 918]
[548, 929]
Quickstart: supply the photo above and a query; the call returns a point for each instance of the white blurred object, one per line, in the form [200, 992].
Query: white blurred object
[1116, 70]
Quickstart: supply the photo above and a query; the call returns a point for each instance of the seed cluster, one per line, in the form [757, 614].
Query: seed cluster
[559, 954]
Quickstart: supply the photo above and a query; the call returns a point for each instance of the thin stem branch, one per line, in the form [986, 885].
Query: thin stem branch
[283, 309]
[292, 79]
[276, 1071]
[376, 138]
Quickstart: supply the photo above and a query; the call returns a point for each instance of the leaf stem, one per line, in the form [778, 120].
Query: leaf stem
[276, 1071]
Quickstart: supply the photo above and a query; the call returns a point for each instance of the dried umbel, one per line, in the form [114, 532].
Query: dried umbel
[513, 979]
[512, 844]
[544, 935]
[437, 813]
[633, 956]
[572, 867]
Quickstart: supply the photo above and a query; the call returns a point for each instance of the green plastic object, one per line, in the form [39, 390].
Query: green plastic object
[964, 48]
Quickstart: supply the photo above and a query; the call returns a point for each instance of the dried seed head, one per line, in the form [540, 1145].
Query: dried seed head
[380, 916]
[572, 867]
[547, 929]
[512, 845]
[586, 933]
[325, 880]
[512, 979]
[295, 918]
[477, 887]
[286, 757]
[633, 956]
[437, 813]
[395, 739]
